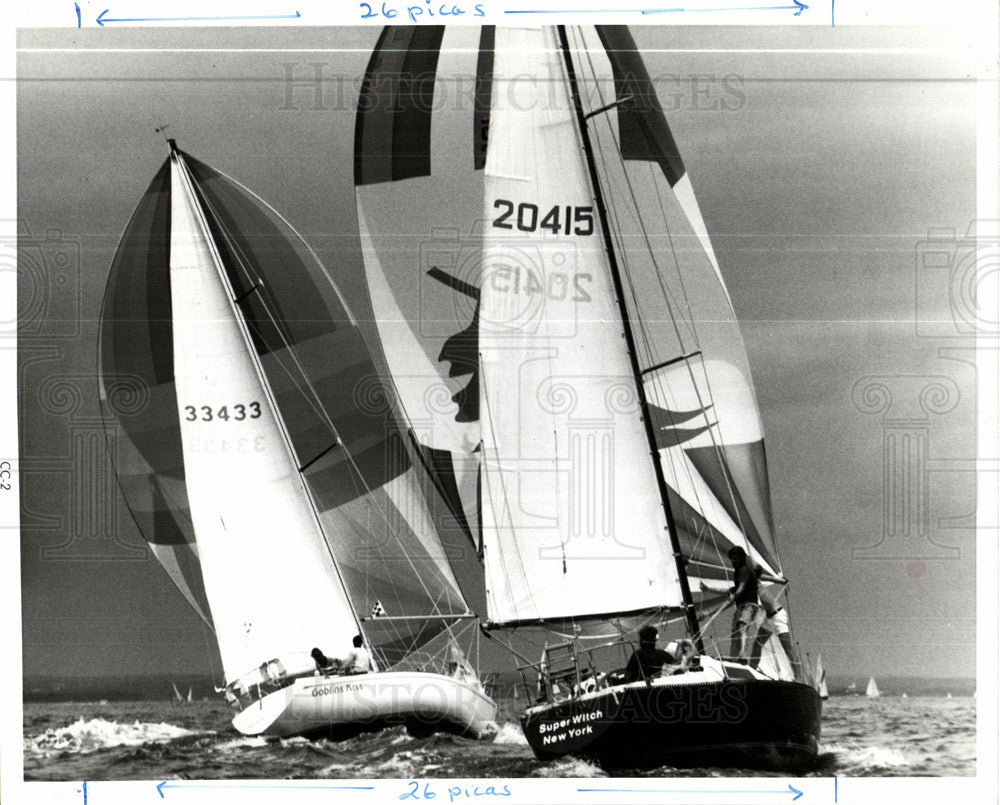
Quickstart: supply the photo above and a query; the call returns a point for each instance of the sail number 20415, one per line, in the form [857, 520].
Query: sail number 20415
[560, 220]
[207, 413]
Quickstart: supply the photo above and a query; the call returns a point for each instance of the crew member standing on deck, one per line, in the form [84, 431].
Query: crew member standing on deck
[745, 597]
[773, 620]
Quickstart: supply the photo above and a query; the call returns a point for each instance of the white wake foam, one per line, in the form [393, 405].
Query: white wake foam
[97, 733]
[869, 757]
[510, 734]
[569, 767]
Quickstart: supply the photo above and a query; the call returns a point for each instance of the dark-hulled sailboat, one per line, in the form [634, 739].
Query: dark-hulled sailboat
[258, 454]
[590, 415]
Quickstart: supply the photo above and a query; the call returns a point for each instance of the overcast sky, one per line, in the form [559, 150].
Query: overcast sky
[819, 176]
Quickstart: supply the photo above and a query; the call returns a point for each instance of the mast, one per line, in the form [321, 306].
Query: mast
[692, 618]
[189, 183]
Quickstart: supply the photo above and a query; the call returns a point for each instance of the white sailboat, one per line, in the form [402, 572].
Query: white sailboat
[599, 444]
[872, 689]
[259, 457]
[820, 678]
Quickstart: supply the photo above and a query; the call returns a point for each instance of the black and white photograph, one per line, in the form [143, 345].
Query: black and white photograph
[450, 406]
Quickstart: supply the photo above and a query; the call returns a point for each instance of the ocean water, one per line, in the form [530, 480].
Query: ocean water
[890, 737]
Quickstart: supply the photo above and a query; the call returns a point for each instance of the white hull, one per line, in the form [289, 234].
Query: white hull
[341, 705]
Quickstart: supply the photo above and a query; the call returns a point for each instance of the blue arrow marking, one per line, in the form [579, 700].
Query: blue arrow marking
[160, 788]
[79, 22]
[798, 8]
[689, 791]
[101, 19]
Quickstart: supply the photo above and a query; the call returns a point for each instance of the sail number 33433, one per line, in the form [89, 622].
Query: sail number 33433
[560, 220]
[236, 413]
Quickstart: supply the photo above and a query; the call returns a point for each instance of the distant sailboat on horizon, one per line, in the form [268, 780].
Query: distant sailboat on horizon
[820, 678]
[872, 689]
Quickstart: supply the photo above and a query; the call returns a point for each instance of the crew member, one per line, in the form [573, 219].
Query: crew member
[773, 620]
[744, 594]
[358, 660]
[647, 661]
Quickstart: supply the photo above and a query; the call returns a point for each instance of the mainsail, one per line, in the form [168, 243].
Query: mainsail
[256, 446]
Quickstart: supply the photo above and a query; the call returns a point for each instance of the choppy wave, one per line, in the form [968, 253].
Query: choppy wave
[569, 767]
[867, 760]
[145, 740]
[510, 734]
[85, 736]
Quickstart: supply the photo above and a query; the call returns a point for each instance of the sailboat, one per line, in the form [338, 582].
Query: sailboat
[872, 689]
[599, 440]
[820, 678]
[177, 694]
[258, 454]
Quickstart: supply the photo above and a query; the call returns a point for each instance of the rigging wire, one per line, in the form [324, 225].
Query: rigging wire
[666, 295]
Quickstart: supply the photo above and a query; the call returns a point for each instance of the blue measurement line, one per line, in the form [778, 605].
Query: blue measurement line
[800, 6]
[834, 789]
[689, 791]
[79, 22]
[797, 7]
[164, 785]
[101, 19]
[580, 11]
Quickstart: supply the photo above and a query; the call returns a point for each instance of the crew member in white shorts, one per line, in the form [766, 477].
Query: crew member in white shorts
[772, 619]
